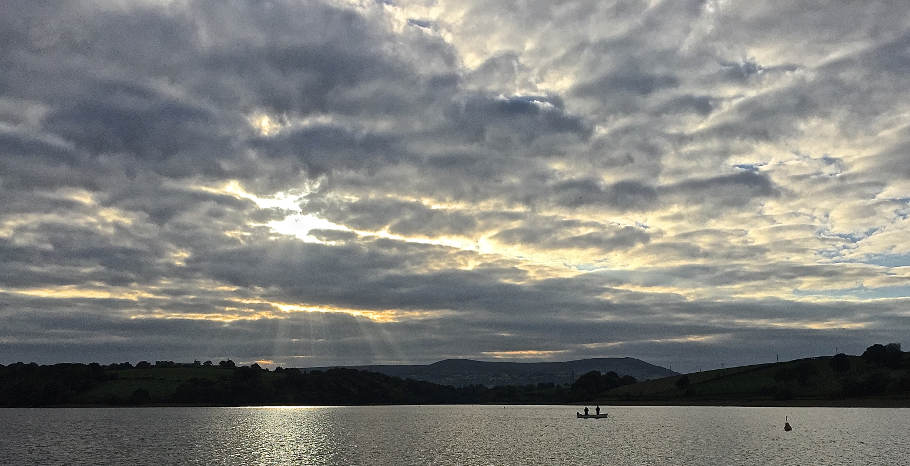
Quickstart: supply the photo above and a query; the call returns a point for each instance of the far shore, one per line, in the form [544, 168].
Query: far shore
[802, 403]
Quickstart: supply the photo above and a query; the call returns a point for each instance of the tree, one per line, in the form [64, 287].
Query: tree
[226, 364]
[889, 355]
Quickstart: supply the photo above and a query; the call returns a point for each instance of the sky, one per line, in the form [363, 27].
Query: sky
[697, 184]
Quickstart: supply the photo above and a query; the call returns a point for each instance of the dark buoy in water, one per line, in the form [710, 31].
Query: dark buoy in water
[787, 427]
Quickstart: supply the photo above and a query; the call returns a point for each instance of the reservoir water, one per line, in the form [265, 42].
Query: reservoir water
[462, 435]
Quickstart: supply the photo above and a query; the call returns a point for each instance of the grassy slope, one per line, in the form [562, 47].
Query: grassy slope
[159, 382]
[801, 381]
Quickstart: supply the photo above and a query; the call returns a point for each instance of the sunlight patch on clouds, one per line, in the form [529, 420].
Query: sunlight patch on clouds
[289, 200]
[225, 317]
[300, 225]
[681, 339]
[104, 220]
[804, 324]
[264, 124]
[296, 224]
[523, 354]
[75, 292]
[376, 315]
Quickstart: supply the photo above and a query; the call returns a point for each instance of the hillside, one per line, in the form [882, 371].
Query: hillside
[226, 385]
[840, 380]
[880, 377]
[465, 372]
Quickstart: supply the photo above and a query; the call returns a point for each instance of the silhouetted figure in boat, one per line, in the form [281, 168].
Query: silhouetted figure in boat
[597, 410]
[787, 427]
[586, 410]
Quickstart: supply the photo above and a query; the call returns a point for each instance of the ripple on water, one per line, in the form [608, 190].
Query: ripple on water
[468, 435]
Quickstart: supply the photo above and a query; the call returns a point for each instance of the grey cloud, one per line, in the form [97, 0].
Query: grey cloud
[327, 148]
[301, 339]
[726, 190]
[515, 120]
[560, 235]
[120, 118]
[626, 82]
[702, 105]
[399, 217]
[501, 72]
[624, 195]
[333, 235]
[746, 69]
[542, 125]
[421, 23]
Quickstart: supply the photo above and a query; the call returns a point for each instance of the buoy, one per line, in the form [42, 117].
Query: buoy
[787, 427]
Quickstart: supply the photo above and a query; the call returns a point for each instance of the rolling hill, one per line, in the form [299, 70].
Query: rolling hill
[464, 372]
[826, 380]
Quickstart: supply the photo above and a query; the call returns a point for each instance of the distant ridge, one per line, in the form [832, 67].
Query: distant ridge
[462, 372]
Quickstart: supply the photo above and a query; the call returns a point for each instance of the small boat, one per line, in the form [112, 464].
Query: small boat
[787, 427]
[591, 416]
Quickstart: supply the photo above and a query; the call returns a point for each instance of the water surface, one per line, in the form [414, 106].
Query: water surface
[543, 435]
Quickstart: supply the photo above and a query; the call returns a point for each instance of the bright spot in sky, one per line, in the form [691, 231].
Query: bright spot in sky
[300, 225]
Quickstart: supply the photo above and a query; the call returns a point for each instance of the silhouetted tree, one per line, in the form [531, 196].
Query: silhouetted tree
[226, 364]
[889, 355]
[592, 383]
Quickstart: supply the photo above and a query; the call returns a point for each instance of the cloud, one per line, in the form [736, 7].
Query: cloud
[337, 182]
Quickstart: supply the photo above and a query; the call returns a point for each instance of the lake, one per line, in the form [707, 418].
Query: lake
[463, 435]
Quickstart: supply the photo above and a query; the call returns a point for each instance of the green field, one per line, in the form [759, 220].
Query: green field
[160, 383]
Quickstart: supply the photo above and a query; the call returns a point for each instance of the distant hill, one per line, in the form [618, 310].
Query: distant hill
[464, 372]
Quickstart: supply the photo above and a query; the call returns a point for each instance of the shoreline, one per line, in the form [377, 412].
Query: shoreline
[804, 403]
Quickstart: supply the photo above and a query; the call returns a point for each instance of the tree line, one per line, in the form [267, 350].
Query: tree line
[226, 384]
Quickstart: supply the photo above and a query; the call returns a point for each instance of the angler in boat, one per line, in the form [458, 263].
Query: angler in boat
[586, 415]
